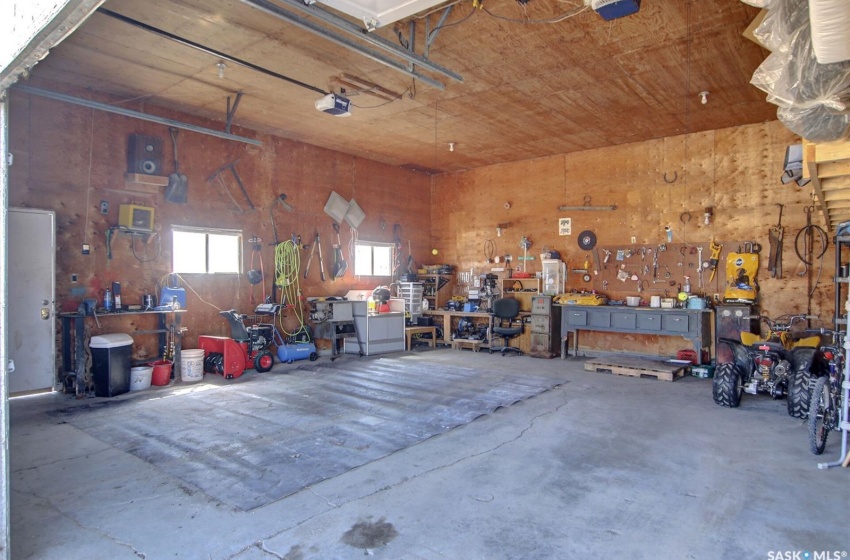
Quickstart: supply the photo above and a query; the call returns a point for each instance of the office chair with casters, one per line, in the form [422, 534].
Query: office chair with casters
[507, 324]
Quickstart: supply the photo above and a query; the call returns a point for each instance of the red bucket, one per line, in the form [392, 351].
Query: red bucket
[161, 373]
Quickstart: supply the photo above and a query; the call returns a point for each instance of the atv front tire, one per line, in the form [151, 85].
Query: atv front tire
[726, 387]
[799, 392]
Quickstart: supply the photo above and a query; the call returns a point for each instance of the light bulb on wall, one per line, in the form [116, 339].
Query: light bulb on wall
[451, 146]
[703, 97]
[221, 66]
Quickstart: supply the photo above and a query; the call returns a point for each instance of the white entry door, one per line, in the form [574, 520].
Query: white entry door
[32, 324]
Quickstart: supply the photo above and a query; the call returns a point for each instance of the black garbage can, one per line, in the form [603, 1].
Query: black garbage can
[111, 363]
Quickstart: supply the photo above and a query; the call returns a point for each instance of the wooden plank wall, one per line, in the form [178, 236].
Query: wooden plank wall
[69, 159]
[735, 171]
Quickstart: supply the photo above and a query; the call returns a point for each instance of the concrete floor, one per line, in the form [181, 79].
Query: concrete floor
[600, 467]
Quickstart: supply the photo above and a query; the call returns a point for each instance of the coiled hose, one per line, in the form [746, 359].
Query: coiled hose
[287, 266]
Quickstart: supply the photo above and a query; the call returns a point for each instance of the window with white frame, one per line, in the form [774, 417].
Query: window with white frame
[373, 259]
[206, 250]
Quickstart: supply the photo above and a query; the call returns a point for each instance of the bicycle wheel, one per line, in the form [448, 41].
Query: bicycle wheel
[820, 415]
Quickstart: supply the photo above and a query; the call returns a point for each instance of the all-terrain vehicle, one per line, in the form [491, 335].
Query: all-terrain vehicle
[779, 364]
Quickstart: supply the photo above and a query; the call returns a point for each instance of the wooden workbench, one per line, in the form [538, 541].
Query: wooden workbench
[444, 318]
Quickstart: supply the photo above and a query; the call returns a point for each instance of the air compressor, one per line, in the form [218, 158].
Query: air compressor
[299, 346]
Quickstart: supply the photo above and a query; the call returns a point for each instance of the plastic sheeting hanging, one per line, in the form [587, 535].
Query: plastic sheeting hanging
[813, 98]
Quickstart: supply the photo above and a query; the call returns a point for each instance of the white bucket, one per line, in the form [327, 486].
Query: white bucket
[140, 378]
[191, 365]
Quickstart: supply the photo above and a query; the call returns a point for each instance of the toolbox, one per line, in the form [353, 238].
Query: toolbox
[703, 371]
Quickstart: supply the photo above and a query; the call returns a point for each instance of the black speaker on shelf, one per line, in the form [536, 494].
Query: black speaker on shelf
[144, 155]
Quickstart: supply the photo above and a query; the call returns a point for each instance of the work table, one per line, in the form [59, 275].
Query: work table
[690, 324]
[74, 324]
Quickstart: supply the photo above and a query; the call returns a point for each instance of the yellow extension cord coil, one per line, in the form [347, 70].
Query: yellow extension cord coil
[287, 267]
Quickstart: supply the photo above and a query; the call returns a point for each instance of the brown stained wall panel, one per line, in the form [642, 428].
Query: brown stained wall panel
[69, 159]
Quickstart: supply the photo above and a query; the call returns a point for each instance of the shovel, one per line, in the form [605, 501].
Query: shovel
[177, 182]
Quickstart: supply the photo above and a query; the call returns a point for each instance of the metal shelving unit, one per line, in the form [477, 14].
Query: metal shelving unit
[841, 282]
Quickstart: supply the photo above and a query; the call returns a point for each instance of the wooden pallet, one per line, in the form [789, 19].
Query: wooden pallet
[460, 343]
[637, 367]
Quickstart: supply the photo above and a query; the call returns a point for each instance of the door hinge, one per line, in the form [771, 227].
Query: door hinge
[10, 159]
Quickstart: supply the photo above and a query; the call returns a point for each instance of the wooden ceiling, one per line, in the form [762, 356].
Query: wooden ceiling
[530, 89]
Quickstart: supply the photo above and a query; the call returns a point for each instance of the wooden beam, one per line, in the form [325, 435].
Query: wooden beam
[835, 195]
[839, 204]
[833, 169]
[835, 151]
[748, 32]
[806, 154]
[834, 183]
[809, 157]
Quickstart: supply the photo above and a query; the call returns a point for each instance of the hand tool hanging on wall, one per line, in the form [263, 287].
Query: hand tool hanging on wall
[586, 206]
[232, 168]
[321, 261]
[774, 261]
[178, 183]
[310, 260]
[699, 265]
[714, 259]
[226, 191]
[340, 266]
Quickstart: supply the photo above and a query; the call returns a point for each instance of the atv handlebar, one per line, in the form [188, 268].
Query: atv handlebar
[783, 322]
[788, 323]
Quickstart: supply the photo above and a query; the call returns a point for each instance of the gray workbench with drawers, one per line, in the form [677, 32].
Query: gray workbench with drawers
[691, 324]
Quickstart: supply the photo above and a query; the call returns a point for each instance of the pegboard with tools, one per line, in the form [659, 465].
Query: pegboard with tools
[665, 267]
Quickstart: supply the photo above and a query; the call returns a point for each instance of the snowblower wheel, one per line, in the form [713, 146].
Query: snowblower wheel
[263, 361]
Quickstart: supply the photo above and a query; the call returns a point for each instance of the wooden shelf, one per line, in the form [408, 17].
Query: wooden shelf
[528, 288]
[143, 179]
[149, 184]
[438, 289]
